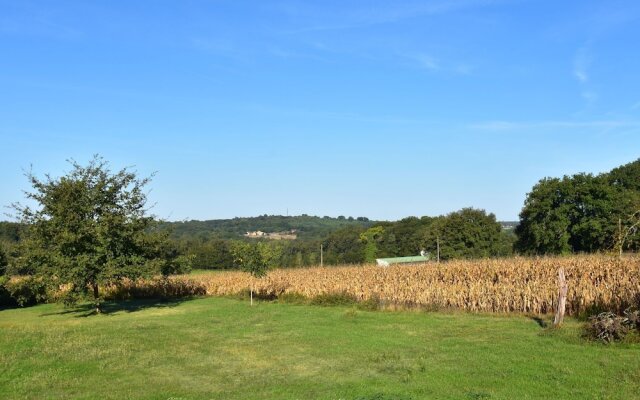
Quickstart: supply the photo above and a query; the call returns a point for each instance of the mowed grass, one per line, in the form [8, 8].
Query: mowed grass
[221, 348]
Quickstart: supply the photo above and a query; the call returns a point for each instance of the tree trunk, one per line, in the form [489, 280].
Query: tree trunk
[251, 290]
[96, 297]
[620, 237]
[562, 298]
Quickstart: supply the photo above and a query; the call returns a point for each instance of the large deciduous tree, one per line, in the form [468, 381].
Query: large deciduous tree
[579, 213]
[91, 227]
[467, 233]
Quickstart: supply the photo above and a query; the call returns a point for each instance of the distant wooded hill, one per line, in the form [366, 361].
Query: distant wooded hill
[307, 227]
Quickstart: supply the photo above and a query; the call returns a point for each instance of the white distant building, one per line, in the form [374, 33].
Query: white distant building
[255, 234]
[385, 262]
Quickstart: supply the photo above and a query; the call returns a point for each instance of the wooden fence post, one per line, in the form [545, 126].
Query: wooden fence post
[562, 298]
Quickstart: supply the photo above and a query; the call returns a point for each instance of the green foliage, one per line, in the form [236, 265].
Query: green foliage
[468, 233]
[580, 213]
[506, 243]
[626, 176]
[5, 297]
[370, 238]
[10, 232]
[209, 254]
[383, 396]
[344, 246]
[373, 303]
[254, 258]
[307, 227]
[544, 220]
[300, 253]
[292, 298]
[333, 299]
[161, 287]
[91, 228]
[22, 292]
[3, 262]
[404, 237]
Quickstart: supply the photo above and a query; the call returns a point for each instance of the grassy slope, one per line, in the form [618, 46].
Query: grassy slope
[224, 349]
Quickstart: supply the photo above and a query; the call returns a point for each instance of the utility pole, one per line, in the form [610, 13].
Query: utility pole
[438, 247]
[321, 251]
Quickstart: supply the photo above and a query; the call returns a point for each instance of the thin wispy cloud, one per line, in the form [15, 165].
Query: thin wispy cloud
[430, 63]
[38, 26]
[427, 62]
[581, 62]
[495, 126]
[214, 45]
[596, 20]
[589, 96]
[513, 126]
[463, 69]
[389, 12]
[283, 53]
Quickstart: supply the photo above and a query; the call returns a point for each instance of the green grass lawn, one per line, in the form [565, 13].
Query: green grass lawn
[219, 348]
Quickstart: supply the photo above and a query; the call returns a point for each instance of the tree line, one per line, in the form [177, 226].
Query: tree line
[92, 228]
[468, 233]
[577, 213]
[581, 213]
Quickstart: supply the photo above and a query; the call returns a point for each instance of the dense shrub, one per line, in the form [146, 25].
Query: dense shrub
[160, 287]
[5, 297]
[292, 298]
[24, 291]
[27, 291]
[334, 299]
[3, 262]
[373, 303]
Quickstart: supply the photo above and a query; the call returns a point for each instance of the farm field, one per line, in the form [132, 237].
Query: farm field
[519, 284]
[222, 348]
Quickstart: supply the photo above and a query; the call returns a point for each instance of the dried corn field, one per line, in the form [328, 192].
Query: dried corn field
[527, 285]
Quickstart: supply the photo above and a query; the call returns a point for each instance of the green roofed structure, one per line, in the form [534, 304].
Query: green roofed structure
[385, 262]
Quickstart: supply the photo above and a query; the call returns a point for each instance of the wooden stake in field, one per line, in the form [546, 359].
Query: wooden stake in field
[562, 298]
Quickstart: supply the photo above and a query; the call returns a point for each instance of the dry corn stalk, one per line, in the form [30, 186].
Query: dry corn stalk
[527, 285]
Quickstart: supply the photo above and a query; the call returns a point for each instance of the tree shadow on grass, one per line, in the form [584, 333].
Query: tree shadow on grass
[111, 307]
[541, 322]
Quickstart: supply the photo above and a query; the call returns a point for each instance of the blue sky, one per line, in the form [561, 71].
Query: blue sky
[363, 108]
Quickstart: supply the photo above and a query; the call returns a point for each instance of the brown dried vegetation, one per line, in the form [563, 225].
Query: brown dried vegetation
[526, 285]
